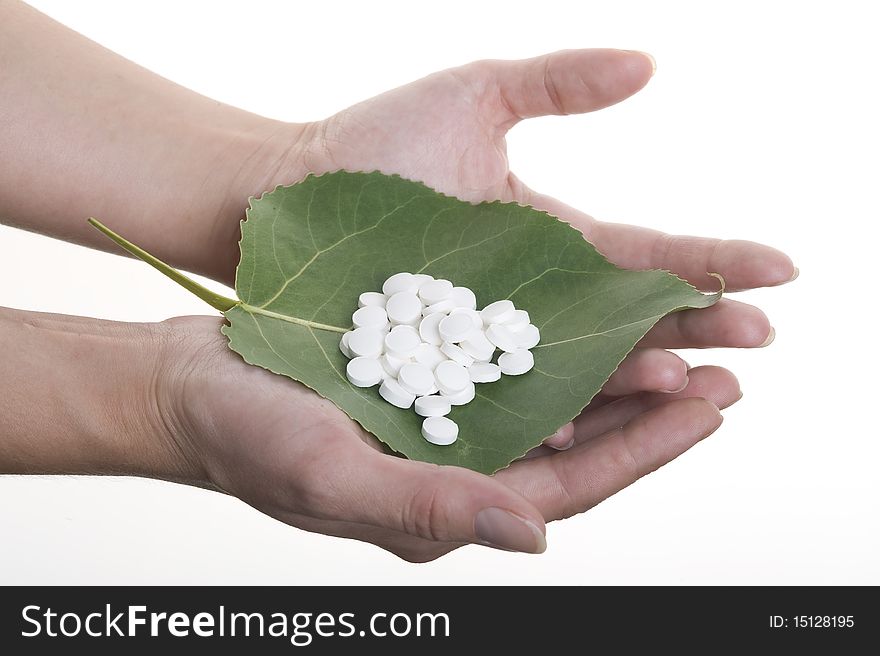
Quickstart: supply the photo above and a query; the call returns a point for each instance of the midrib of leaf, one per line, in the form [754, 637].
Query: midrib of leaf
[213, 299]
[289, 319]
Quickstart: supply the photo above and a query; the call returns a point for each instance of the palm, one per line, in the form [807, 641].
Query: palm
[435, 130]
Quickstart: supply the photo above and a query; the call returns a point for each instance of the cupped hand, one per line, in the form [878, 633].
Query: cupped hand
[294, 456]
[448, 131]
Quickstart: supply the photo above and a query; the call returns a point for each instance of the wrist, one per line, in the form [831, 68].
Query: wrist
[263, 156]
[80, 396]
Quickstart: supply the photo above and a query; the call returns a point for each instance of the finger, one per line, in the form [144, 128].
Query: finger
[715, 384]
[402, 545]
[561, 439]
[648, 369]
[742, 264]
[727, 323]
[438, 503]
[564, 82]
[572, 482]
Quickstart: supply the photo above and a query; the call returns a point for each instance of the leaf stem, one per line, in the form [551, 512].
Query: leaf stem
[213, 299]
[284, 317]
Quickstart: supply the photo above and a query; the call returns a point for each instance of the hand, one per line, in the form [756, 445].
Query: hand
[448, 130]
[293, 455]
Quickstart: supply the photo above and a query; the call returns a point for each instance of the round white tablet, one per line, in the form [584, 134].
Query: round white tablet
[371, 299]
[364, 372]
[416, 379]
[456, 354]
[421, 279]
[433, 406]
[478, 346]
[528, 336]
[463, 397]
[429, 355]
[498, 312]
[404, 308]
[518, 321]
[366, 342]
[441, 431]
[370, 316]
[343, 345]
[455, 327]
[440, 306]
[435, 291]
[391, 391]
[516, 363]
[391, 364]
[501, 337]
[451, 377]
[429, 328]
[475, 317]
[402, 342]
[400, 282]
[463, 297]
[483, 372]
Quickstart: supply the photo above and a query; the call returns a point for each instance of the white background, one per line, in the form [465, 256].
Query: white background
[761, 123]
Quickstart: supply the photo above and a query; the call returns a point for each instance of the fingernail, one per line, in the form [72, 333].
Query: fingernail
[564, 447]
[680, 389]
[794, 277]
[499, 528]
[649, 56]
[770, 338]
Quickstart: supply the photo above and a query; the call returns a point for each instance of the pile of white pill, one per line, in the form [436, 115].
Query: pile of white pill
[423, 341]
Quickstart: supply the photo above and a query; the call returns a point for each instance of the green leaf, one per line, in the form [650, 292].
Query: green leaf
[308, 251]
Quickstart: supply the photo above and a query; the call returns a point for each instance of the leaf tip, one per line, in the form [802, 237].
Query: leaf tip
[720, 280]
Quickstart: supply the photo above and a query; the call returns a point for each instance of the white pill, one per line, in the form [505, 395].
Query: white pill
[484, 372]
[391, 391]
[400, 282]
[435, 291]
[429, 328]
[364, 372]
[366, 342]
[421, 279]
[391, 364]
[516, 363]
[440, 306]
[498, 312]
[456, 354]
[429, 355]
[451, 377]
[518, 321]
[463, 297]
[478, 346]
[402, 342]
[501, 337]
[474, 316]
[372, 299]
[433, 406]
[527, 337]
[463, 397]
[404, 308]
[441, 431]
[416, 379]
[455, 327]
[371, 316]
[343, 345]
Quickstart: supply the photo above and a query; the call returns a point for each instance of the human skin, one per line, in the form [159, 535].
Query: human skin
[87, 133]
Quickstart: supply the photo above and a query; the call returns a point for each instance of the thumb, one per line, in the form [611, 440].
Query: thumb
[564, 82]
[440, 503]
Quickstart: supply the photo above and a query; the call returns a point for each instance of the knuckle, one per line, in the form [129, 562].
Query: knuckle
[423, 514]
